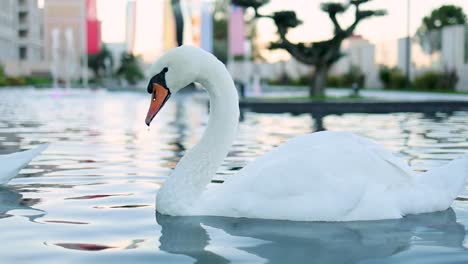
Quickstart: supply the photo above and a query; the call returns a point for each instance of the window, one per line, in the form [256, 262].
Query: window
[23, 33]
[23, 53]
[22, 17]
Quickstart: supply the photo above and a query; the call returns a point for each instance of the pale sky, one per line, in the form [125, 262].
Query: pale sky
[316, 24]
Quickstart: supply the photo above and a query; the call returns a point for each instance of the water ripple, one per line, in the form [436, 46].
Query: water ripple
[94, 188]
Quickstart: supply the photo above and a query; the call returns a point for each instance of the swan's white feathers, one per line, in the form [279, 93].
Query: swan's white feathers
[11, 164]
[323, 176]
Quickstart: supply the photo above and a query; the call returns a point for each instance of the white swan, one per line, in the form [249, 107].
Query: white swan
[11, 164]
[324, 176]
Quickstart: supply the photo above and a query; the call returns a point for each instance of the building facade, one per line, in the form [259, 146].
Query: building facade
[453, 56]
[29, 31]
[360, 53]
[8, 39]
[130, 25]
[21, 38]
[64, 31]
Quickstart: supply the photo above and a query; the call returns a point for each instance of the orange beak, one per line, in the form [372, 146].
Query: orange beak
[159, 97]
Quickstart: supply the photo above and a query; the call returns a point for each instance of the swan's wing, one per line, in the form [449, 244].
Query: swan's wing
[321, 176]
[385, 155]
[335, 154]
[11, 164]
[299, 180]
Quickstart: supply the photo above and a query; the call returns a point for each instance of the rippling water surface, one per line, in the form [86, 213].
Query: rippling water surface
[91, 195]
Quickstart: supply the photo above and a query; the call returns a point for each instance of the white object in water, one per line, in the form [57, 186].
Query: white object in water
[323, 176]
[11, 164]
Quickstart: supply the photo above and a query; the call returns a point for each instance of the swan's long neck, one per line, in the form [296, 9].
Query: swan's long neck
[196, 169]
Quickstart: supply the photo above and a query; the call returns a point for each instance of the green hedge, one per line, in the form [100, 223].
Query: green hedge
[392, 78]
[3, 80]
[39, 81]
[15, 81]
[433, 80]
[354, 75]
[21, 80]
[301, 81]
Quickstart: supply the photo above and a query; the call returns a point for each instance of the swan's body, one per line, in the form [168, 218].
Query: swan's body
[324, 176]
[11, 164]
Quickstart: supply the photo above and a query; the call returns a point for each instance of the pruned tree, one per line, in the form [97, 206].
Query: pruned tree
[321, 54]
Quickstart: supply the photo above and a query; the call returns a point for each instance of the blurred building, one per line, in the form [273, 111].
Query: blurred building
[8, 34]
[169, 28]
[360, 53]
[30, 19]
[21, 38]
[61, 16]
[93, 28]
[455, 53]
[127, 46]
[75, 22]
[452, 57]
[130, 25]
[117, 49]
[368, 57]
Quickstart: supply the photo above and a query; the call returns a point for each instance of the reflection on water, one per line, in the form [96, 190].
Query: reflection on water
[295, 242]
[91, 196]
[11, 200]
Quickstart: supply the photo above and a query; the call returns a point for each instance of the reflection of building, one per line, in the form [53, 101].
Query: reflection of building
[20, 36]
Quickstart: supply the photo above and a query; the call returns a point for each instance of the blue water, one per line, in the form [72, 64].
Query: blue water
[91, 196]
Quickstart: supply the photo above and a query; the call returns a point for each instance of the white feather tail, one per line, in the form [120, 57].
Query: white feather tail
[435, 189]
[449, 177]
[11, 164]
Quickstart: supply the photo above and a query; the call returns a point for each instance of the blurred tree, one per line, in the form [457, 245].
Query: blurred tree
[354, 76]
[322, 54]
[429, 33]
[220, 30]
[130, 69]
[97, 62]
[392, 78]
[2, 76]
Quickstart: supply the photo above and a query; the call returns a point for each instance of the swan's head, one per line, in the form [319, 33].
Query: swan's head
[173, 71]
